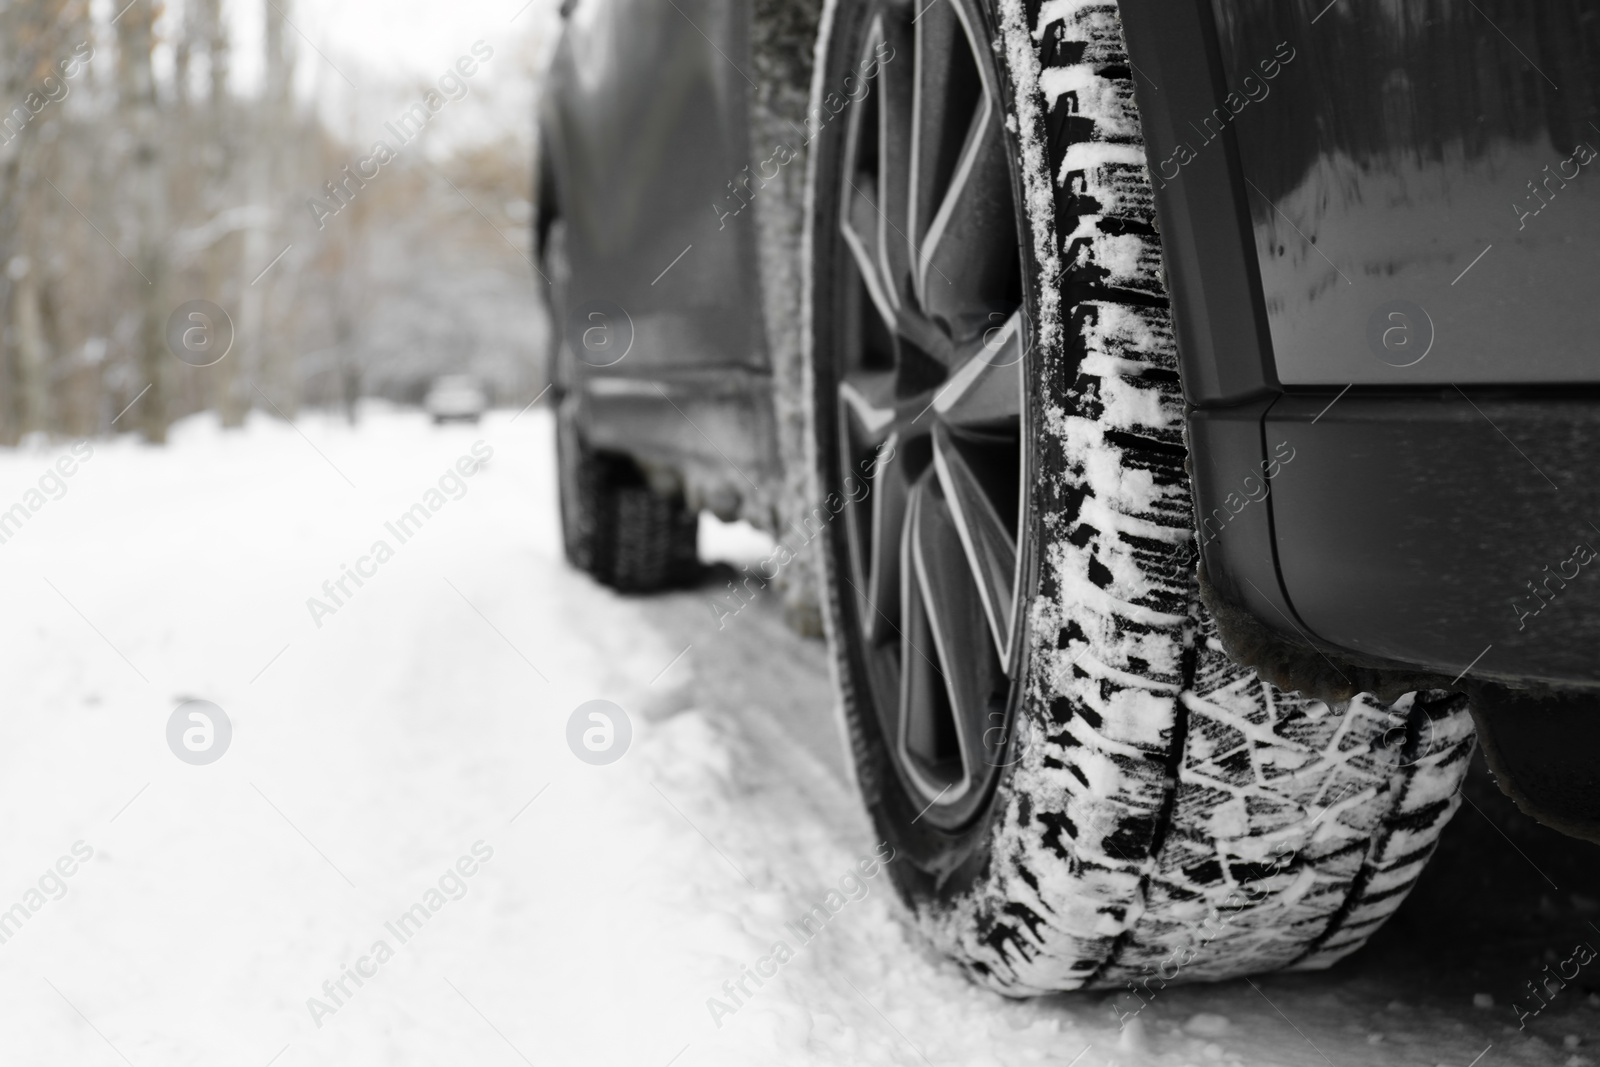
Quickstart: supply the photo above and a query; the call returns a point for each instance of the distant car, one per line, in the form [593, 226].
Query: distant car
[1164, 569]
[456, 396]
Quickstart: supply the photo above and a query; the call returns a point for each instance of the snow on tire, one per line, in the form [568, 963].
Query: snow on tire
[1168, 816]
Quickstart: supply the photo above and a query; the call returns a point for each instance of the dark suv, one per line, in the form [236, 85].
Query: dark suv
[1188, 407]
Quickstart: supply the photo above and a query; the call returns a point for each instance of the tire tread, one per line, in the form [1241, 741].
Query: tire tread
[1167, 803]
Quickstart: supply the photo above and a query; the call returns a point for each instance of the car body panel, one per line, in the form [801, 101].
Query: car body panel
[1405, 530]
[1436, 156]
[643, 133]
[1338, 495]
[1223, 344]
[1233, 531]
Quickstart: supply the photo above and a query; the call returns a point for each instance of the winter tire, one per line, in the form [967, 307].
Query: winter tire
[1083, 790]
[614, 525]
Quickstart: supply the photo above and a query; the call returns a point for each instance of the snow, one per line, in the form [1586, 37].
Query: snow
[738, 544]
[419, 734]
[410, 730]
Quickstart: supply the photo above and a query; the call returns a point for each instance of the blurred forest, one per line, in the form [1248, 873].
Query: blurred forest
[130, 186]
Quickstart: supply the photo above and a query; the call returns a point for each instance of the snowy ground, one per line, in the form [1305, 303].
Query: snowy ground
[411, 750]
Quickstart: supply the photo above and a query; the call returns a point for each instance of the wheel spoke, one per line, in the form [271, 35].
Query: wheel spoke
[866, 190]
[990, 550]
[987, 387]
[890, 490]
[894, 91]
[947, 93]
[867, 400]
[956, 622]
[859, 225]
[925, 735]
[874, 517]
[969, 255]
[863, 426]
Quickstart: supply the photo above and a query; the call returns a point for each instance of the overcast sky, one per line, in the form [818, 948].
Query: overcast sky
[358, 60]
[391, 37]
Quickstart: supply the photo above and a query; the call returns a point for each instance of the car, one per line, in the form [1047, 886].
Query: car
[454, 397]
[1194, 452]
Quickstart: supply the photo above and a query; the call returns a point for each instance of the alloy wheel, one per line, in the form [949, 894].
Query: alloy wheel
[930, 345]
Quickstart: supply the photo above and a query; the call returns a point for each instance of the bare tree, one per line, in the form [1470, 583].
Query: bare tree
[37, 33]
[123, 194]
[139, 105]
[262, 353]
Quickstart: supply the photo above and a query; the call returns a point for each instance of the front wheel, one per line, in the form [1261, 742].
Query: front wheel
[1084, 790]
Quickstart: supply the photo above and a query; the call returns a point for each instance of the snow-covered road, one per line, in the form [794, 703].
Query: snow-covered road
[399, 859]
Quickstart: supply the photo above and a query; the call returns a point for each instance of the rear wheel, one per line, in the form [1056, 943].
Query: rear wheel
[615, 525]
[1083, 790]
